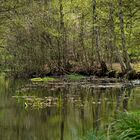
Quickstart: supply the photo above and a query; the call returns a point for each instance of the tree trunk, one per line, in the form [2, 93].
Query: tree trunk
[96, 37]
[113, 36]
[123, 38]
[82, 45]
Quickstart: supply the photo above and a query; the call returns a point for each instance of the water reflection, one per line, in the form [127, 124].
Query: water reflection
[81, 109]
[126, 99]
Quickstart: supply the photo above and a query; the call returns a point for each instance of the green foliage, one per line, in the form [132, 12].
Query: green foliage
[33, 34]
[136, 113]
[127, 127]
[94, 136]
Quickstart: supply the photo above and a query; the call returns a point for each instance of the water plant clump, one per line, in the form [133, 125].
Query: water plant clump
[39, 79]
[45, 79]
[34, 102]
[75, 77]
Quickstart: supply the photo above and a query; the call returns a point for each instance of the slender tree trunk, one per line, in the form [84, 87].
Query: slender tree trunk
[59, 55]
[113, 36]
[63, 35]
[123, 37]
[82, 45]
[97, 39]
[95, 35]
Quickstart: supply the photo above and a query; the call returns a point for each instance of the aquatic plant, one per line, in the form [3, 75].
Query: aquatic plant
[75, 77]
[45, 79]
[39, 79]
[34, 102]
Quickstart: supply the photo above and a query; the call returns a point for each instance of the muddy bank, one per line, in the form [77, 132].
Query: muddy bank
[99, 73]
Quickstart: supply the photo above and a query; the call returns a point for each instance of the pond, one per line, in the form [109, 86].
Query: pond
[70, 110]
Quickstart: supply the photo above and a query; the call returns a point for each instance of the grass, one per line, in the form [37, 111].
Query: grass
[75, 77]
[125, 127]
[45, 79]
[135, 113]
[93, 136]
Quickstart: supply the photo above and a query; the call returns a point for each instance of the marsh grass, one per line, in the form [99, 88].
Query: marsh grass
[126, 127]
[93, 135]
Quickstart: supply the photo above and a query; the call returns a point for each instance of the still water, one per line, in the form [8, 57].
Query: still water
[84, 108]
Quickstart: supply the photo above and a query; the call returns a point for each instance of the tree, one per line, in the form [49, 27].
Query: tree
[113, 37]
[123, 37]
[96, 34]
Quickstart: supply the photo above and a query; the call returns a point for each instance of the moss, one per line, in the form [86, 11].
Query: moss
[45, 79]
[75, 77]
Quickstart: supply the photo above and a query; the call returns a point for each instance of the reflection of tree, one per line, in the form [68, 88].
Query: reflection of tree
[119, 98]
[126, 99]
[63, 114]
[82, 95]
[97, 111]
[93, 113]
[123, 96]
[62, 123]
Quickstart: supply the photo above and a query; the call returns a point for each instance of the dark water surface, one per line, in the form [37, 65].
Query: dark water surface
[81, 109]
